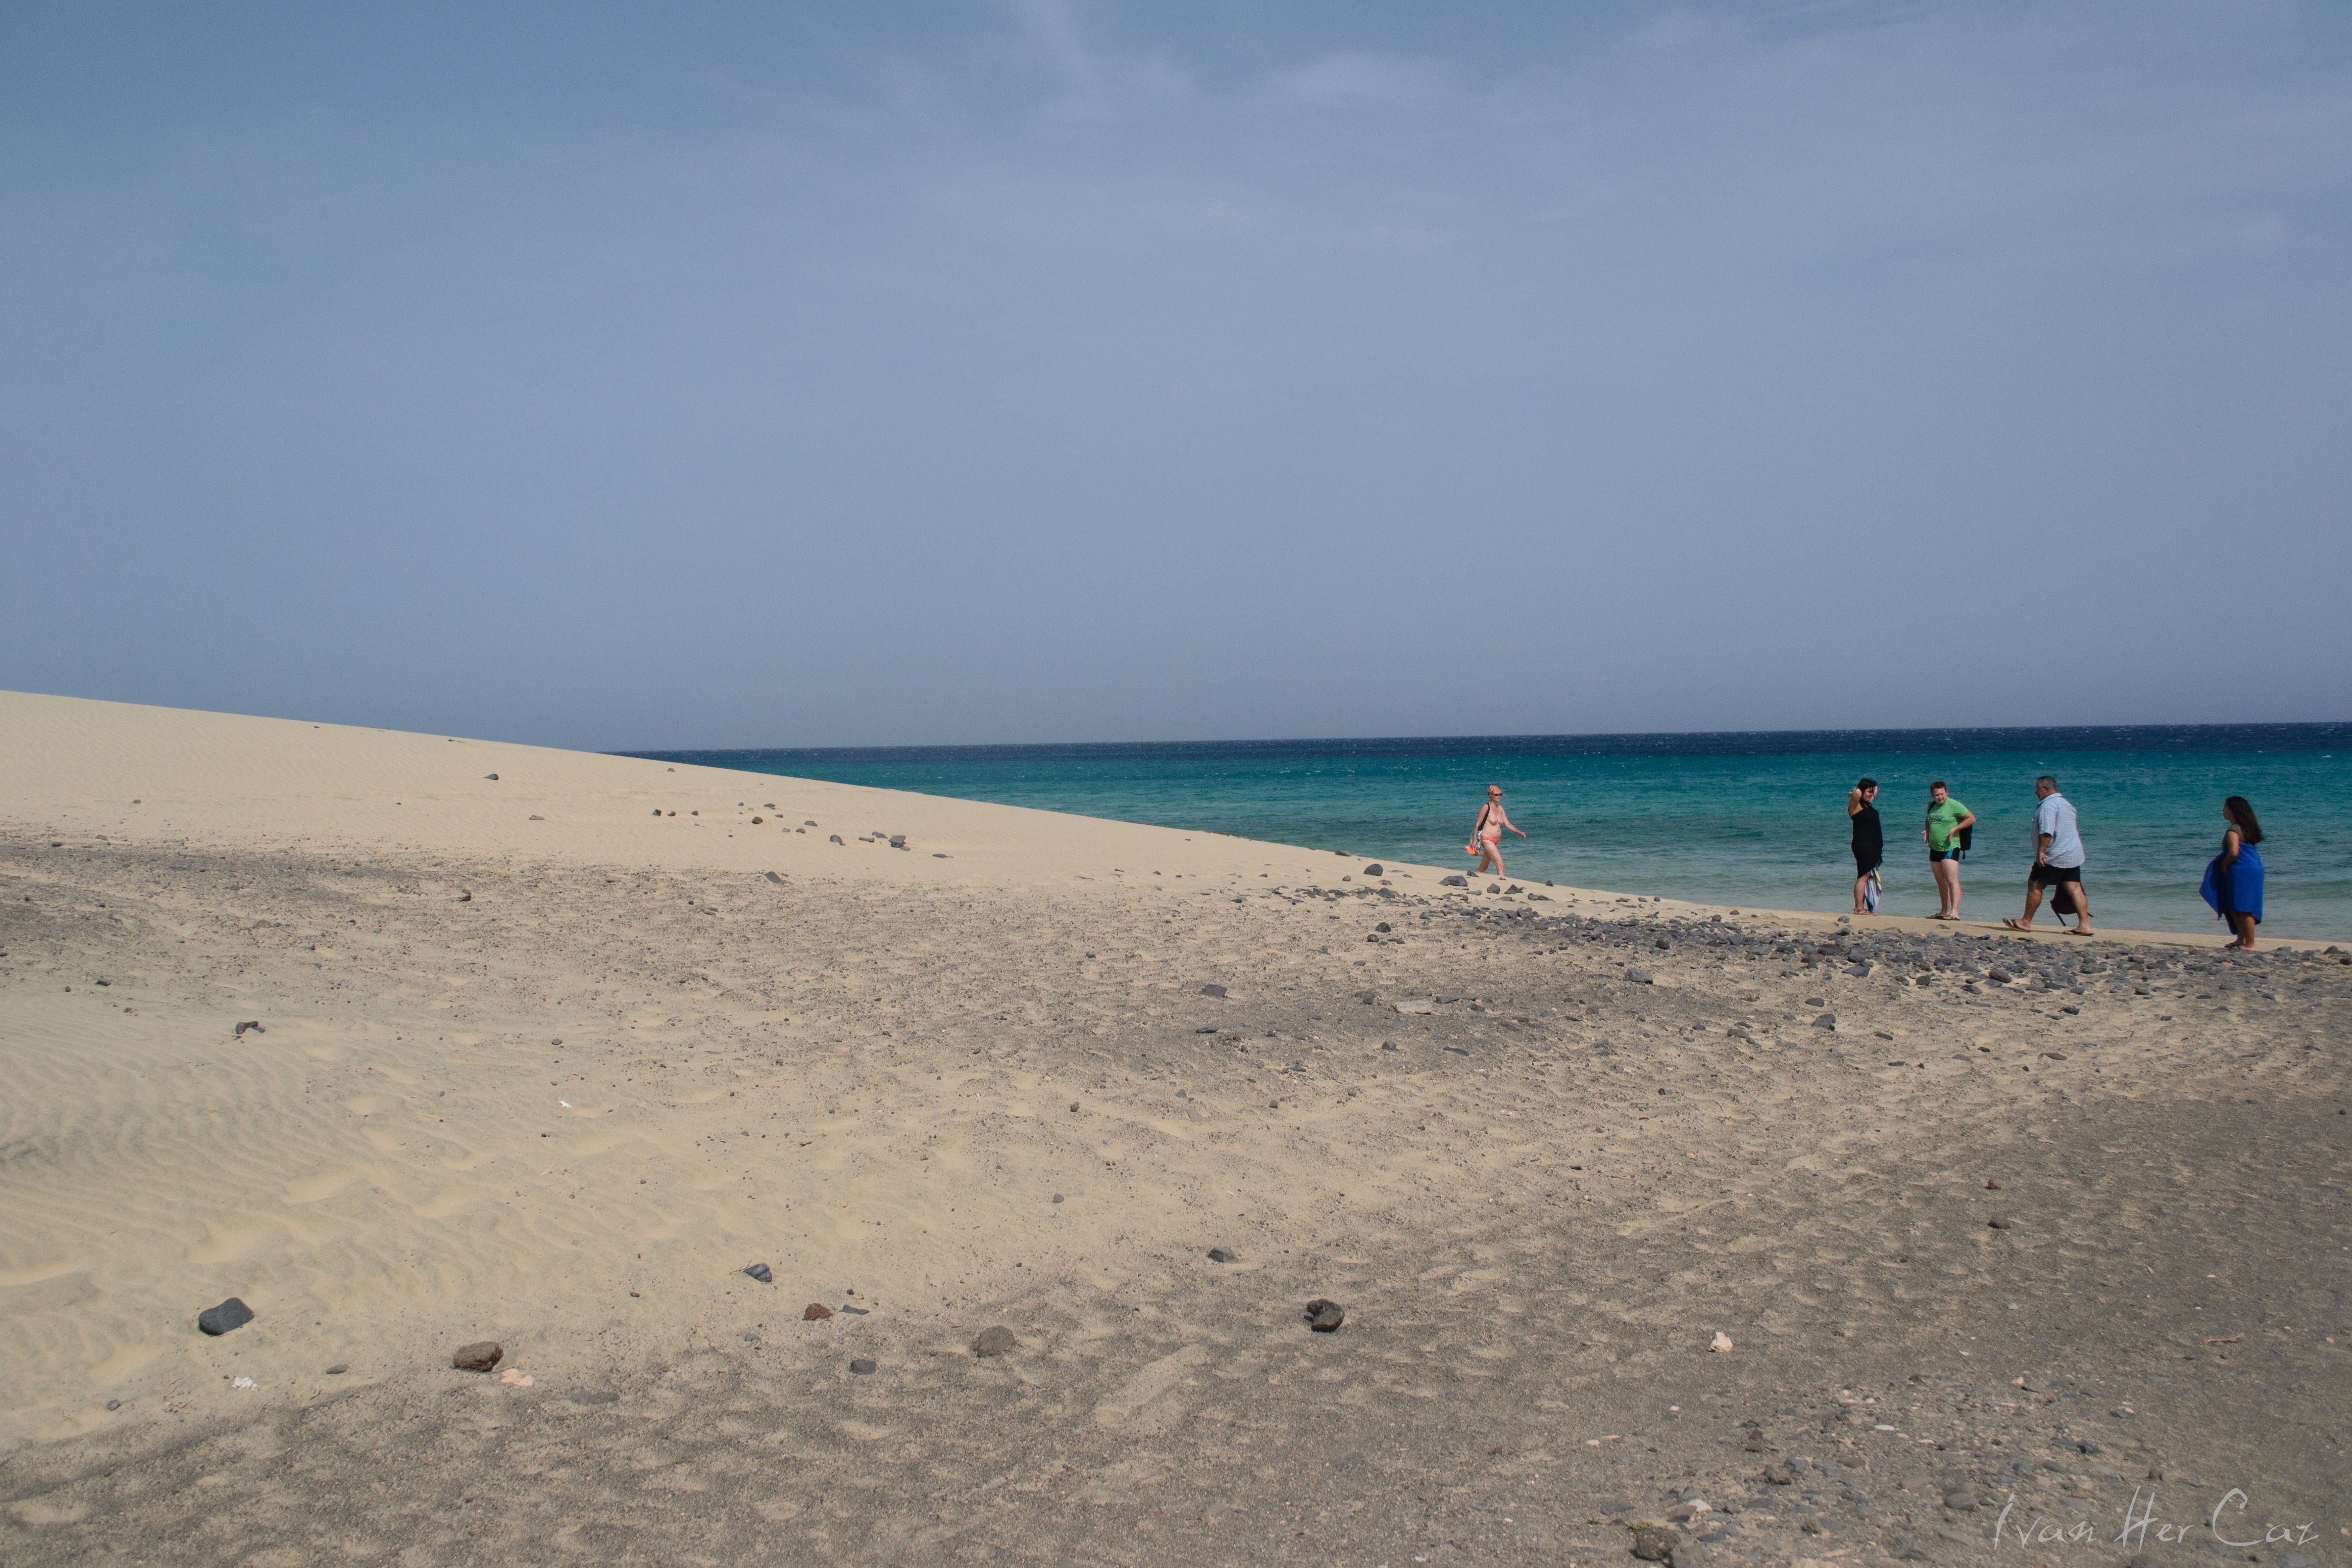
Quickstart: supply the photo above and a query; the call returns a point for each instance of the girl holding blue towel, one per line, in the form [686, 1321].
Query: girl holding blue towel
[2233, 881]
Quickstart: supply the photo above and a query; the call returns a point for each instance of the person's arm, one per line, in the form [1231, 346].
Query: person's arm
[1512, 825]
[2041, 848]
[2229, 848]
[1853, 803]
[1964, 823]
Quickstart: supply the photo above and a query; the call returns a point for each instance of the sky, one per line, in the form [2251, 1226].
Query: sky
[731, 374]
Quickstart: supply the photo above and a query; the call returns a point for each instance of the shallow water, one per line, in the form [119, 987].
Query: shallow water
[1723, 818]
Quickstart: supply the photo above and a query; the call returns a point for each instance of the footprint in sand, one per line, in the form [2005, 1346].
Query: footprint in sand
[1117, 1408]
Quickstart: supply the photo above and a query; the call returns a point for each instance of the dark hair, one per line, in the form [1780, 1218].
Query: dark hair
[2045, 778]
[2242, 814]
[1941, 785]
[1867, 784]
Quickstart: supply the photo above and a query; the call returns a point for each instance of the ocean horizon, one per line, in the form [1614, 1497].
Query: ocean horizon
[1724, 817]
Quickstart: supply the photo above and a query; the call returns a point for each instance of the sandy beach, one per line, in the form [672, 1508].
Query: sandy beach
[1805, 1240]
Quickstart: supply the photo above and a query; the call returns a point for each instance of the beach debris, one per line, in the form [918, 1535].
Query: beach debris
[862, 1367]
[1721, 1343]
[513, 1378]
[1656, 1543]
[253, 1023]
[232, 1314]
[338, 1369]
[1213, 991]
[1375, 869]
[492, 777]
[243, 1383]
[479, 1356]
[1415, 1005]
[760, 1272]
[1639, 977]
[1224, 1255]
[997, 1340]
[815, 1312]
[1325, 1317]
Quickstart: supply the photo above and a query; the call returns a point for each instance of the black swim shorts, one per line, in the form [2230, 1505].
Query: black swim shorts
[2051, 875]
[1936, 855]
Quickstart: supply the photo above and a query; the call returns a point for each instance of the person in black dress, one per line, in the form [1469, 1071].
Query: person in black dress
[1869, 843]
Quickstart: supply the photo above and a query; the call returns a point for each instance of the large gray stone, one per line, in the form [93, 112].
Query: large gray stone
[230, 1314]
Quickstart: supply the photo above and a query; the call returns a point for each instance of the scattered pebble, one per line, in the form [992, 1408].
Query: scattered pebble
[1224, 1255]
[997, 1340]
[862, 1367]
[1656, 1543]
[760, 1272]
[230, 1314]
[479, 1356]
[815, 1312]
[1325, 1317]
[338, 1369]
[253, 1023]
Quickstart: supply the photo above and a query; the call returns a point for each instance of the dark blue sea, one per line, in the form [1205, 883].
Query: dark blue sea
[1726, 818]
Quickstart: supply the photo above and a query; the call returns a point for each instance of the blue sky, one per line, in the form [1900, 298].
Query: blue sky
[652, 377]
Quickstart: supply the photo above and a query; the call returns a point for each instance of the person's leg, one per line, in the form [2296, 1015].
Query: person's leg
[1490, 863]
[2032, 902]
[2244, 926]
[1859, 907]
[1943, 871]
[1955, 867]
[2081, 909]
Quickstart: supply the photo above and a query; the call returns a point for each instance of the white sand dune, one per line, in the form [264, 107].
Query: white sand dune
[539, 1066]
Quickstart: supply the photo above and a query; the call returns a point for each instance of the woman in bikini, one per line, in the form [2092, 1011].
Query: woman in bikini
[1486, 837]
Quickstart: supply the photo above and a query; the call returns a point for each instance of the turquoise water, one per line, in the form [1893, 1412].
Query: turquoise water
[1733, 819]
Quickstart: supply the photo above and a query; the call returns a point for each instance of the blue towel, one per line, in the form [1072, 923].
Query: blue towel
[2237, 889]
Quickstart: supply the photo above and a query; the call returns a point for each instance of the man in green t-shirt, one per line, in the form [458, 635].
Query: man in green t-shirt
[1946, 820]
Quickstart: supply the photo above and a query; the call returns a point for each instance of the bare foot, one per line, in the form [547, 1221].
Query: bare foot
[2018, 925]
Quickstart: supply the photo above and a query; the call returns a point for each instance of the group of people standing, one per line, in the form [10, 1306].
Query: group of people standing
[2234, 881]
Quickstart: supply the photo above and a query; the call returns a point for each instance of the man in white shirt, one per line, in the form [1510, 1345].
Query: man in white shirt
[2057, 860]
